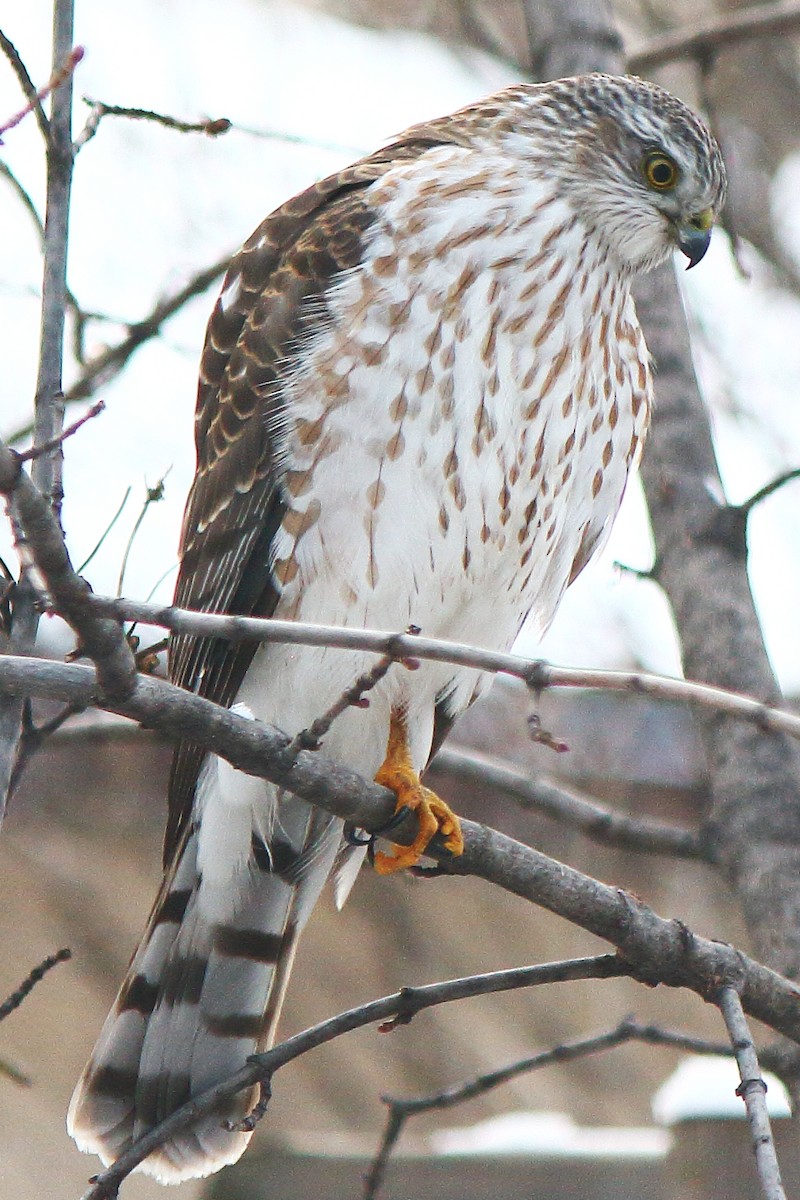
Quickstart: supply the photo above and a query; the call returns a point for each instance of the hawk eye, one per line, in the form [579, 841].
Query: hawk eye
[660, 171]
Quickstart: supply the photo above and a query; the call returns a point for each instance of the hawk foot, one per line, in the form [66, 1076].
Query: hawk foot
[433, 815]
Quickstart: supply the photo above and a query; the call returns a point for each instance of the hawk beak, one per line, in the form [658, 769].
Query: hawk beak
[694, 234]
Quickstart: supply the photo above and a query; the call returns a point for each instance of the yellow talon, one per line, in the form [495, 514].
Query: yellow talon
[434, 816]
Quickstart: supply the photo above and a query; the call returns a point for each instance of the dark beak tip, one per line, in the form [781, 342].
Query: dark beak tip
[694, 244]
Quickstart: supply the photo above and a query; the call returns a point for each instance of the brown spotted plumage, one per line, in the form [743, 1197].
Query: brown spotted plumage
[421, 393]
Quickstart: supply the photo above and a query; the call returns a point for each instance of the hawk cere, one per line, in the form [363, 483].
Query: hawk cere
[422, 390]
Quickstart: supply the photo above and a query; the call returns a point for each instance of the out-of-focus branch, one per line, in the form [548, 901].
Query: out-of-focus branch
[79, 315]
[38, 973]
[628, 1030]
[759, 20]
[107, 365]
[110, 362]
[601, 824]
[392, 1010]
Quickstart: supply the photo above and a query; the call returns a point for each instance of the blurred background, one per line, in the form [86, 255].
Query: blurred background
[309, 87]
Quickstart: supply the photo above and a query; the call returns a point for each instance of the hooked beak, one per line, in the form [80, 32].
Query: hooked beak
[694, 234]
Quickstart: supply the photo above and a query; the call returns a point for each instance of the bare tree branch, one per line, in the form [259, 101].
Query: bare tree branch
[753, 1091]
[43, 553]
[758, 20]
[99, 109]
[105, 366]
[601, 824]
[57, 442]
[536, 674]
[659, 950]
[403, 1005]
[354, 696]
[628, 1030]
[31, 979]
[26, 83]
[49, 399]
[55, 81]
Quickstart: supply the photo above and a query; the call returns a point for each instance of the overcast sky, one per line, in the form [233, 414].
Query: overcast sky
[152, 206]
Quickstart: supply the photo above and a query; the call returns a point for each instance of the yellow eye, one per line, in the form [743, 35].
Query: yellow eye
[660, 171]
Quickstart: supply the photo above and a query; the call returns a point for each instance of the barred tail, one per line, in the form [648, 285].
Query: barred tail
[205, 987]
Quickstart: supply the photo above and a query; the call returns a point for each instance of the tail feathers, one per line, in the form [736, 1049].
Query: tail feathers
[201, 995]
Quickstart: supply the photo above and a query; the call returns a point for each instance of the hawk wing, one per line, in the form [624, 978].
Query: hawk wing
[235, 505]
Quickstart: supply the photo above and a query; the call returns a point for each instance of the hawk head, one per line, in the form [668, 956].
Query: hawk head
[637, 166]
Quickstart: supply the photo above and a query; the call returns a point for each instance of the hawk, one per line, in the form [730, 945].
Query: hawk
[422, 391]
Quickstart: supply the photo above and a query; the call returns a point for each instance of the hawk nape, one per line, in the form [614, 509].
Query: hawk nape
[422, 390]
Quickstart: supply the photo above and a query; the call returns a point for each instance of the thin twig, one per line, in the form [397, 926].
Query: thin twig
[262, 1067]
[45, 447]
[99, 109]
[26, 83]
[80, 569]
[355, 696]
[24, 196]
[34, 737]
[211, 127]
[644, 573]
[152, 496]
[769, 489]
[601, 824]
[56, 80]
[761, 20]
[753, 1091]
[29, 982]
[80, 315]
[535, 673]
[628, 1030]
[297, 139]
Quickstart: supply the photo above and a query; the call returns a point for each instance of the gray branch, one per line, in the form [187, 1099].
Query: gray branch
[595, 821]
[703, 43]
[628, 1030]
[49, 406]
[392, 1010]
[657, 950]
[52, 579]
[753, 1091]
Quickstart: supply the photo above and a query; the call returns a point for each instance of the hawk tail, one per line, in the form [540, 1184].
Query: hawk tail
[204, 989]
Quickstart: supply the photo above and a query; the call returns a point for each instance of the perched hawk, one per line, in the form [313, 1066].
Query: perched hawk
[422, 391]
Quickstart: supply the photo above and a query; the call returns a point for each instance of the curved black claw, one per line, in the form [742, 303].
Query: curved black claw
[354, 836]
